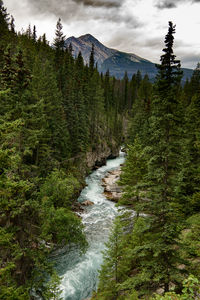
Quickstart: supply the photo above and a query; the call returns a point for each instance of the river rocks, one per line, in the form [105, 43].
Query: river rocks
[76, 206]
[112, 191]
[87, 203]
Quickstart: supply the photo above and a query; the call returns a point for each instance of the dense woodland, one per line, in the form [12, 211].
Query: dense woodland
[54, 109]
[157, 248]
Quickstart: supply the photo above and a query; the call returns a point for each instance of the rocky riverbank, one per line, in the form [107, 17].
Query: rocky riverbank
[112, 190]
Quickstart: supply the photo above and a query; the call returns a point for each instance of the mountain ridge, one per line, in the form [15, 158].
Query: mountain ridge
[116, 61]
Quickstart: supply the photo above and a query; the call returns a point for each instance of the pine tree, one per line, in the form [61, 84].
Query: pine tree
[152, 180]
[21, 78]
[191, 171]
[107, 91]
[34, 33]
[125, 90]
[12, 24]
[7, 72]
[91, 60]
[111, 268]
[170, 73]
[59, 45]
[29, 31]
[133, 175]
[163, 168]
[59, 40]
[141, 110]
[3, 19]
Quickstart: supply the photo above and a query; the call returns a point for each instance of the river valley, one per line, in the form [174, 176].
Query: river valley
[80, 273]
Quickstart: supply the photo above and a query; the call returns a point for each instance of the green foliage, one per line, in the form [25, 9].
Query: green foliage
[190, 291]
[52, 112]
[112, 269]
[53, 291]
[63, 227]
[58, 189]
[132, 175]
[159, 247]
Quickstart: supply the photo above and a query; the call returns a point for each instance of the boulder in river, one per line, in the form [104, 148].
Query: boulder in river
[87, 203]
[113, 196]
[112, 191]
[76, 206]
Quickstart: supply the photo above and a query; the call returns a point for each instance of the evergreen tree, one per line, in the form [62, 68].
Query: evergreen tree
[21, 77]
[111, 269]
[3, 19]
[34, 33]
[91, 60]
[152, 183]
[191, 172]
[125, 90]
[59, 40]
[107, 91]
[163, 169]
[59, 44]
[29, 31]
[12, 24]
[7, 72]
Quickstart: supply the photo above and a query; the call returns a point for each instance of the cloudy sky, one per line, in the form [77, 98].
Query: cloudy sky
[136, 26]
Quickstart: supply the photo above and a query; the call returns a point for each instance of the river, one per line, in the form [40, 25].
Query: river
[80, 273]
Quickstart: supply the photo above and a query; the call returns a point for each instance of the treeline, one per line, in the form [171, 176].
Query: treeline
[53, 111]
[156, 249]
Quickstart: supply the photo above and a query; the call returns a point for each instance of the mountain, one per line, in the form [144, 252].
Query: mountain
[116, 61]
[84, 44]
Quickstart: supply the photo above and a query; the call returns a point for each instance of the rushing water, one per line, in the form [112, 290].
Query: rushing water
[80, 273]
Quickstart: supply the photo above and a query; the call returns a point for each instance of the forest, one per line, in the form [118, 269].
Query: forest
[153, 250]
[54, 111]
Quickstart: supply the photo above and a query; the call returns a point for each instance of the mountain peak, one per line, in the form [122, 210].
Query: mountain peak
[90, 39]
[87, 36]
[116, 61]
[84, 44]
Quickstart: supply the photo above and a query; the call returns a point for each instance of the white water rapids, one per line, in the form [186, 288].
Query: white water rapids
[80, 273]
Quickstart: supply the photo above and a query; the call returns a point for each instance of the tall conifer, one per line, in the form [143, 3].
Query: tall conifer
[163, 168]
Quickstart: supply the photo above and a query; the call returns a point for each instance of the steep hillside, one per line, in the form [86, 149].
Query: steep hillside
[121, 62]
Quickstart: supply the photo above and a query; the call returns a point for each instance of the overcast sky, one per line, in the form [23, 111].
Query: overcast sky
[136, 26]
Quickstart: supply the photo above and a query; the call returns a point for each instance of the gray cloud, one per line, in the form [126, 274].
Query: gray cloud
[168, 4]
[85, 10]
[128, 19]
[165, 4]
[100, 3]
[70, 9]
[188, 58]
[153, 43]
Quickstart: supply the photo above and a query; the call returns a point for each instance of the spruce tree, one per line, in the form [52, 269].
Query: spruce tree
[7, 72]
[91, 60]
[34, 33]
[191, 171]
[59, 44]
[163, 168]
[4, 18]
[59, 40]
[12, 24]
[125, 90]
[107, 91]
[152, 181]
